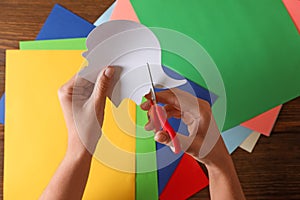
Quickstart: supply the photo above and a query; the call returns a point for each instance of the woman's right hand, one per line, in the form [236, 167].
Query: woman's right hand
[204, 142]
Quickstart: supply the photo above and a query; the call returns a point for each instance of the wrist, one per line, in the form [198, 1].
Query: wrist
[223, 165]
[218, 161]
[78, 155]
[217, 157]
[76, 150]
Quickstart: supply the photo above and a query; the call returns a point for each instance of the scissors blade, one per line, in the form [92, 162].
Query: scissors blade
[153, 96]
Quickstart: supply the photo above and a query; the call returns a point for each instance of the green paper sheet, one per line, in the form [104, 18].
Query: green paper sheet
[144, 140]
[145, 159]
[253, 43]
[59, 44]
[146, 182]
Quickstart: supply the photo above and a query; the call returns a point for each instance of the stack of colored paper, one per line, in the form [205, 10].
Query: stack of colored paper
[257, 60]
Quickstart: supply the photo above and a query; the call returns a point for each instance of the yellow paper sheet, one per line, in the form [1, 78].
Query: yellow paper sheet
[250, 141]
[36, 135]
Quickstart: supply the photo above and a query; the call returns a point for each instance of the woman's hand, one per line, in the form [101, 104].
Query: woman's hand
[83, 106]
[196, 114]
[203, 143]
[80, 99]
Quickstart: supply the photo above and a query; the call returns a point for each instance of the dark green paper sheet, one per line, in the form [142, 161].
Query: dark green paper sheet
[146, 182]
[253, 43]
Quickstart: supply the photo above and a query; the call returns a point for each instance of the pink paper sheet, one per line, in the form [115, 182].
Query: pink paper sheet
[293, 7]
[264, 122]
[124, 10]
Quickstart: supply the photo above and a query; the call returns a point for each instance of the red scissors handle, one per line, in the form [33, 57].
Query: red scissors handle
[160, 121]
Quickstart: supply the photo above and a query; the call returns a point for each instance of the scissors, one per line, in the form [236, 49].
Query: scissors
[159, 117]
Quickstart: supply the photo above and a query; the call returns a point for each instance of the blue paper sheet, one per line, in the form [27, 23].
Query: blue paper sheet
[105, 16]
[2, 109]
[61, 23]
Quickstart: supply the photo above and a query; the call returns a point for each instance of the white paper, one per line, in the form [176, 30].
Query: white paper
[128, 46]
[250, 141]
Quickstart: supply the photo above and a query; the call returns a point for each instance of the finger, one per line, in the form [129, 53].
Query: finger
[165, 97]
[146, 105]
[149, 126]
[67, 88]
[82, 89]
[172, 111]
[162, 137]
[102, 86]
[187, 143]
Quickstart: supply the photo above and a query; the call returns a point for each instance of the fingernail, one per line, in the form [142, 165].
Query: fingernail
[109, 72]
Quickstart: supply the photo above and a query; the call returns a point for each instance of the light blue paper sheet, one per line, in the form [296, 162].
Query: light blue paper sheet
[105, 16]
[235, 136]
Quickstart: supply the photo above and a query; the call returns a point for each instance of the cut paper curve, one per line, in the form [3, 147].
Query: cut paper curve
[128, 46]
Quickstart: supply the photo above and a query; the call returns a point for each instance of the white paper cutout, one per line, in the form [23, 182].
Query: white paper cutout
[128, 46]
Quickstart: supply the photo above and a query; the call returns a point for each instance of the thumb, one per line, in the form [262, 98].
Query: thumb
[162, 137]
[102, 87]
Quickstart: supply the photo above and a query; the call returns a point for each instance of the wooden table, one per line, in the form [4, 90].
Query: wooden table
[272, 171]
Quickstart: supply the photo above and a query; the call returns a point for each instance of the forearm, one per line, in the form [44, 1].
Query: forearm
[70, 179]
[223, 180]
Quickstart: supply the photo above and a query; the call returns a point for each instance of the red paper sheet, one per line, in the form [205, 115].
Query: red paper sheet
[187, 179]
[293, 7]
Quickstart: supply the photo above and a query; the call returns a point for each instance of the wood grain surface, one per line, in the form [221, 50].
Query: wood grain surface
[272, 171]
